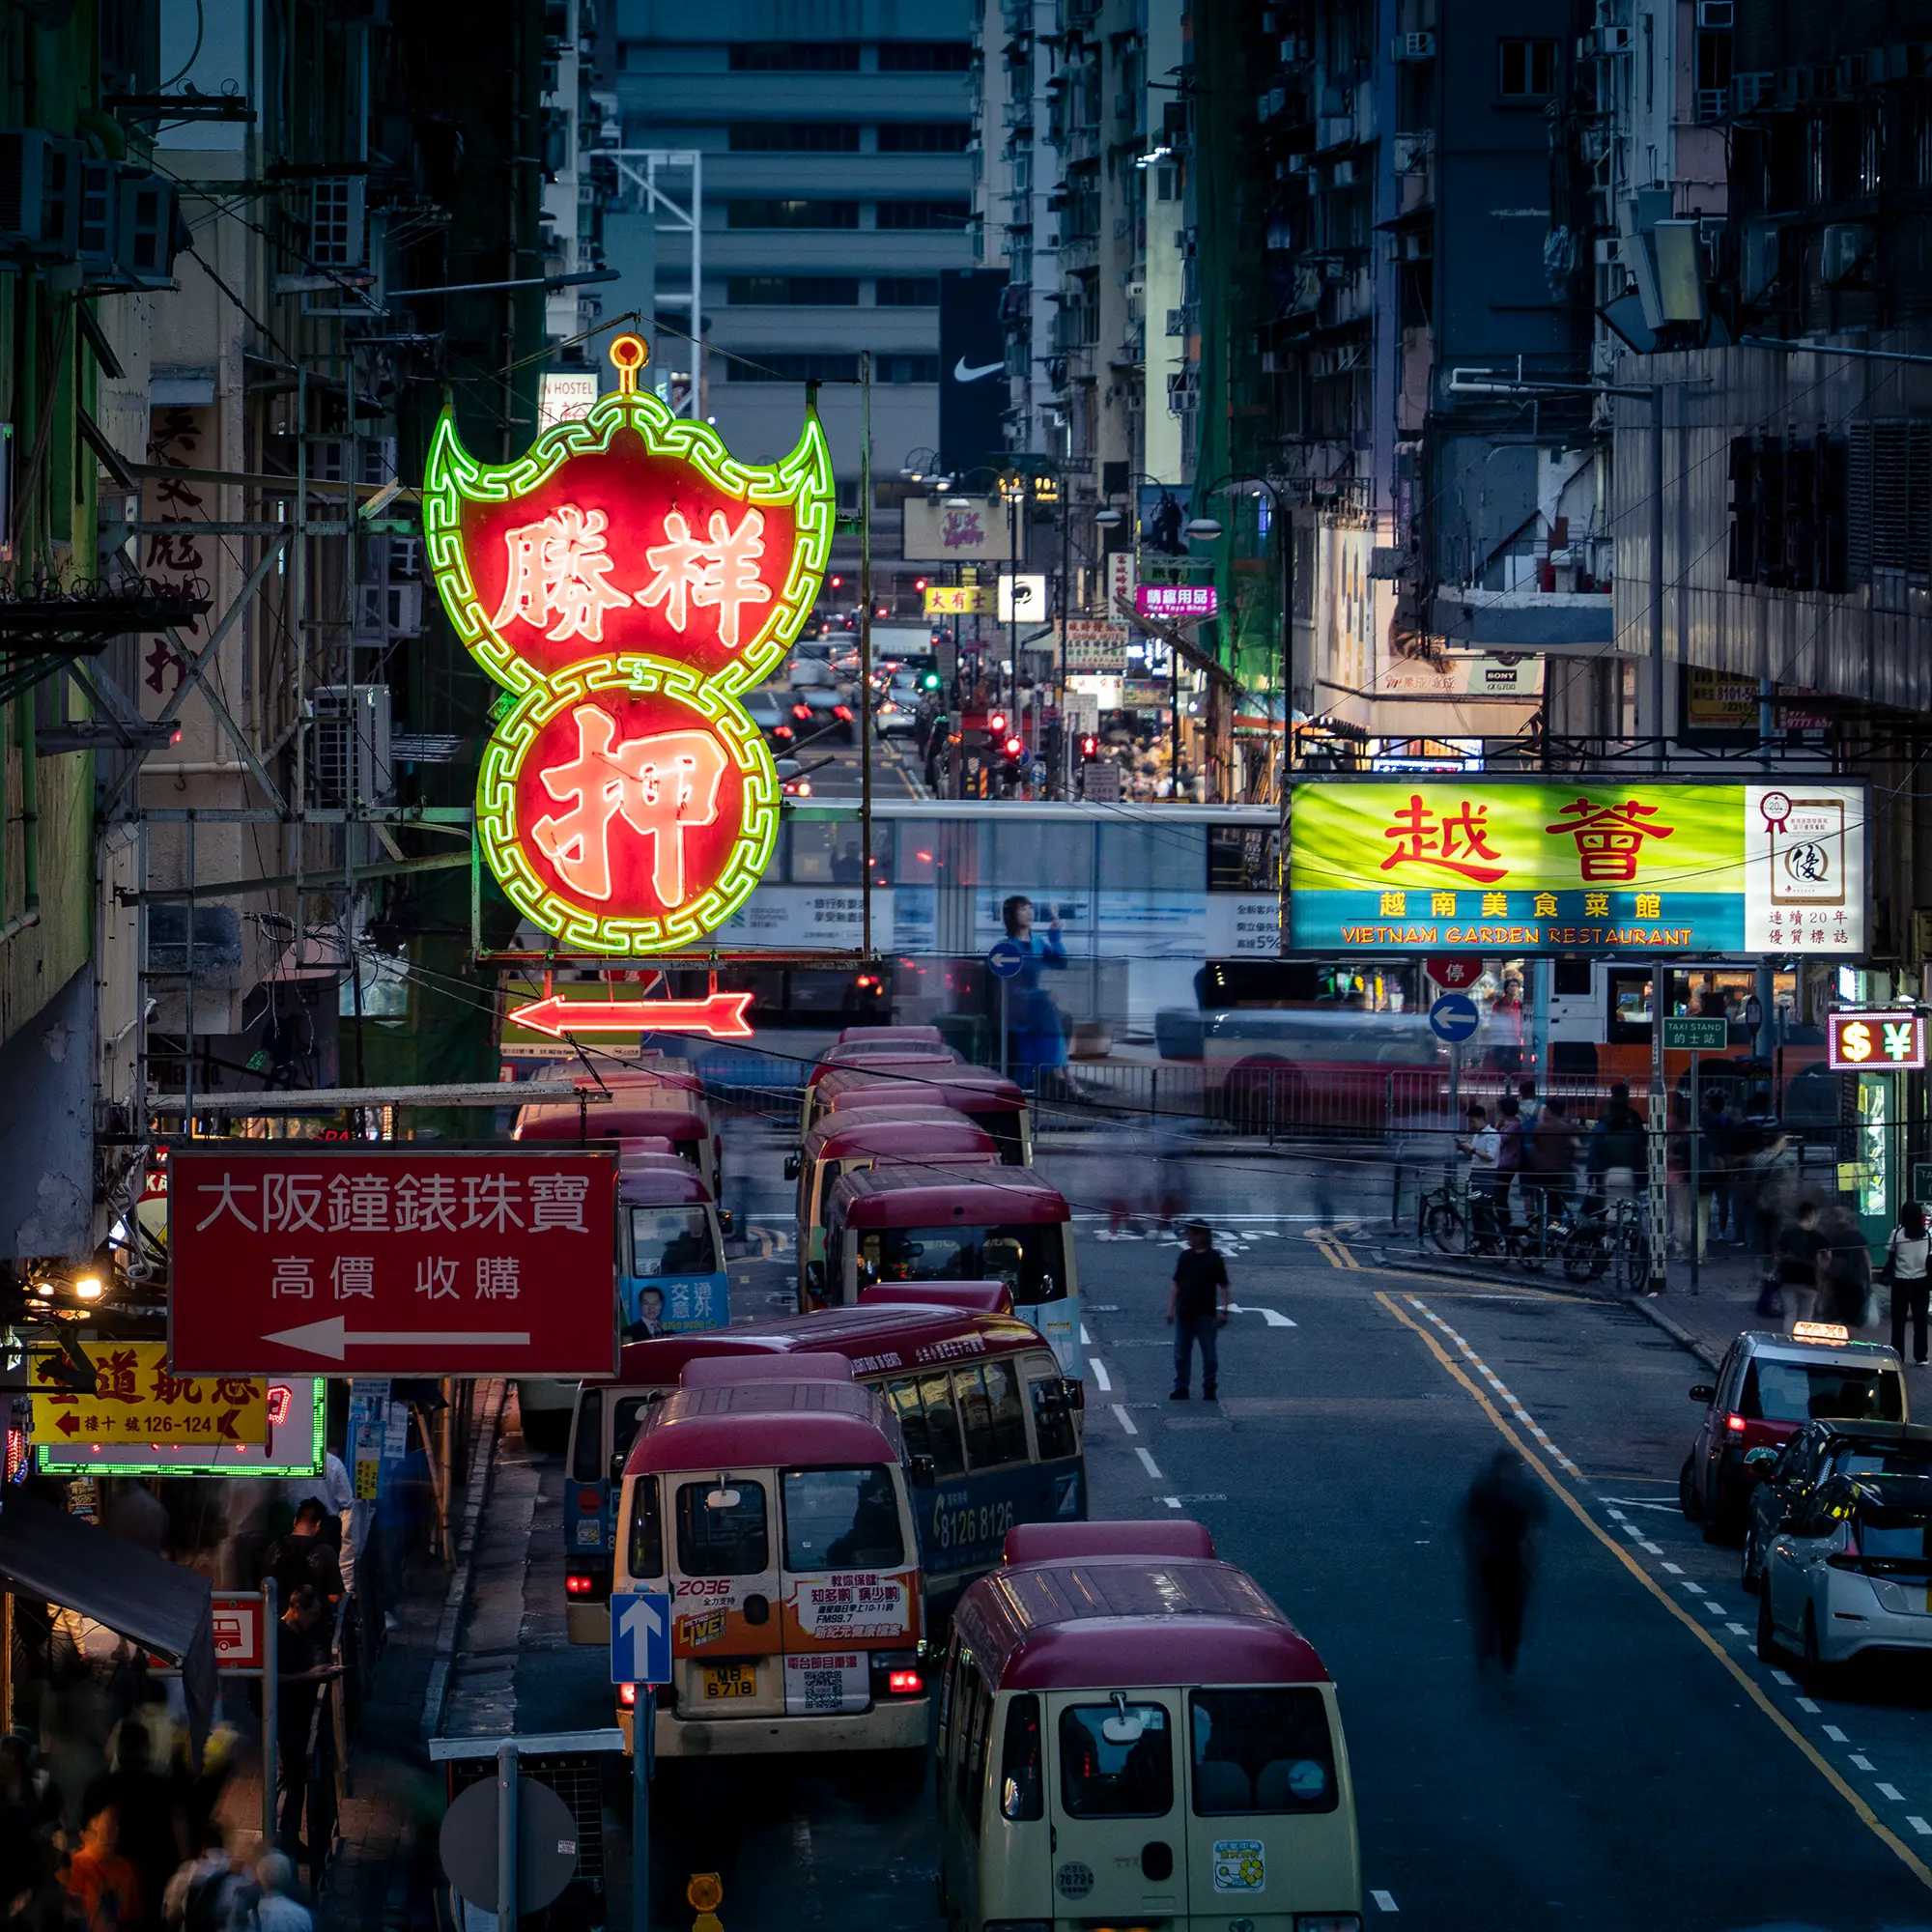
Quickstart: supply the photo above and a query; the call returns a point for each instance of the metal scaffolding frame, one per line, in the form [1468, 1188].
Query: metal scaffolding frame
[639, 169]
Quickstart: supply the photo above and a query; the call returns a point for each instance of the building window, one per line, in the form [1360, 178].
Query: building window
[925, 56]
[907, 292]
[792, 214]
[791, 291]
[949, 215]
[794, 137]
[783, 366]
[937, 137]
[1817, 161]
[795, 57]
[906, 369]
[1527, 70]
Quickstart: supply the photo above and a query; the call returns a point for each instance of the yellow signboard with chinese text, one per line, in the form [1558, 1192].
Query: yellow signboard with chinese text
[1591, 866]
[958, 600]
[136, 1399]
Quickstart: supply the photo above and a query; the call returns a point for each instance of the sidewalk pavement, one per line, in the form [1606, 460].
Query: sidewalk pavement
[384, 1870]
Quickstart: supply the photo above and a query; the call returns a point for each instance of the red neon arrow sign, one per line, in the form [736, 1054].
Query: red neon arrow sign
[722, 1015]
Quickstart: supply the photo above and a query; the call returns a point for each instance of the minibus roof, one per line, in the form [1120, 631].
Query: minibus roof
[640, 1144]
[729, 1371]
[877, 1104]
[1107, 1624]
[973, 1090]
[988, 1298]
[662, 1186]
[840, 1136]
[909, 1197]
[894, 1055]
[759, 1425]
[1049, 1542]
[657, 1113]
[871, 1337]
[929, 1036]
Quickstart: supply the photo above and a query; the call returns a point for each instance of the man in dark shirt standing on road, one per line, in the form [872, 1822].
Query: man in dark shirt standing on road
[1197, 1306]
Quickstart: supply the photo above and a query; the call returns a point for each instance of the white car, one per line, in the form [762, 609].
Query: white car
[1850, 1573]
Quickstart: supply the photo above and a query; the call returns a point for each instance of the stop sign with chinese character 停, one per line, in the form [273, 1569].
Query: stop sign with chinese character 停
[408, 1263]
[629, 581]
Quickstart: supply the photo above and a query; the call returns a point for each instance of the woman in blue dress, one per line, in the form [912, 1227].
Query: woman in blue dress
[1037, 1041]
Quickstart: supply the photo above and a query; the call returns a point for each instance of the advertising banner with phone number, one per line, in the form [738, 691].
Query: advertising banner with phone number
[1589, 865]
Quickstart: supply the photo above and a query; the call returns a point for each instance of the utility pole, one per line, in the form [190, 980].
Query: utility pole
[866, 646]
[1656, 1140]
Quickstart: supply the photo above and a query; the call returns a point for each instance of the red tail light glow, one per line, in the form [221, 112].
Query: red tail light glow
[576, 1584]
[1735, 1423]
[627, 1697]
[842, 712]
[904, 1683]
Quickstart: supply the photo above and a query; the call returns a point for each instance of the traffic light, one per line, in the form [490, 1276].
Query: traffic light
[1014, 748]
[931, 681]
[997, 724]
[1089, 747]
[918, 583]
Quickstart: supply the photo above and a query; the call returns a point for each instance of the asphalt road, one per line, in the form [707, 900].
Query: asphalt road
[1642, 1768]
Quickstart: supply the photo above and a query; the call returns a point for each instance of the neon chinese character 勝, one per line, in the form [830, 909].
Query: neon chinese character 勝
[559, 568]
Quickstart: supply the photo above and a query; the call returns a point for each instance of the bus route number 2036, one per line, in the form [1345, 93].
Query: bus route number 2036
[957, 1521]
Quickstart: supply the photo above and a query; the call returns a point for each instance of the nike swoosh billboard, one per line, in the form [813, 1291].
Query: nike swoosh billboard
[973, 393]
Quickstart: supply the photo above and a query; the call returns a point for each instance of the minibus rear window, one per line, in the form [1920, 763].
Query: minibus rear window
[1020, 1794]
[586, 1453]
[1115, 1762]
[1053, 1419]
[841, 1520]
[671, 1241]
[625, 1416]
[647, 1529]
[725, 1538]
[1261, 1751]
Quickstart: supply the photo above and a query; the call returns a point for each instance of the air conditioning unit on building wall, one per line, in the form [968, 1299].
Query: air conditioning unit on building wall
[1412, 47]
[348, 759]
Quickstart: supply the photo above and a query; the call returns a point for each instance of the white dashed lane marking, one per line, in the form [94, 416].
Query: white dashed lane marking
[1384, 1901]
[1126, 1420]
[1101, 1381]
[1149, 1465]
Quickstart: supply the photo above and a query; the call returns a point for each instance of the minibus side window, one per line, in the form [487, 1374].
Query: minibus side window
[1260, 1750]
[941, 1424]
[990, 1406]
[646, 1557]
[1128, 1775]
[586, 1458]
[1020, 1794]
[975, 1754]
[625, 1418]
[726, 1541]
[841, 1520]
[966, 1701]
[1053, 1420]
[904, 1397]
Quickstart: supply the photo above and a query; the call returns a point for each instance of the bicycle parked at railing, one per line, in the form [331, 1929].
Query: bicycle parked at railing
[1451, 1218]
[1613, 1236]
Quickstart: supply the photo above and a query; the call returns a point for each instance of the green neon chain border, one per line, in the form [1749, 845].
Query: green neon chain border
[801, 482]
[566, 920]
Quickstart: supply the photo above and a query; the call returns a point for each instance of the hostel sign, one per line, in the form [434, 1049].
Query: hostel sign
[1578, 865]
[627, 582]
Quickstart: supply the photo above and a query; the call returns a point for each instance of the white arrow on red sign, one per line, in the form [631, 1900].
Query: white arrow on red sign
[722, 1015]
[335, 1338]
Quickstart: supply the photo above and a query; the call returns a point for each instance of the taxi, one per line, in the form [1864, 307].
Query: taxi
[1767, 1387]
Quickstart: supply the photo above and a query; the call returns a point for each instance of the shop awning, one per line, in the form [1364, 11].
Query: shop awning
[49, 1555]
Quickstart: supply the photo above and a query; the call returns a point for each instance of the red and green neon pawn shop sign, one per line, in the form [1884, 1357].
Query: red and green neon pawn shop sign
[627, 582]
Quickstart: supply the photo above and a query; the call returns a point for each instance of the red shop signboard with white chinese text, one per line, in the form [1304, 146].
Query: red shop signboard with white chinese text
[383, 1263]
[627, 581]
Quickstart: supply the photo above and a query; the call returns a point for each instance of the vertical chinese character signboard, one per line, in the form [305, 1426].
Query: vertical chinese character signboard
[627, 582]
[1578, 865]
[391, 1264]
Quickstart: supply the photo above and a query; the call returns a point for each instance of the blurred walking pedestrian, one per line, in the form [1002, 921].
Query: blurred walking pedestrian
[1482, 1144]
[1801, 1266]
[1197, 1310]
[1501, 1515]
[105, 1885]
[276, 1911]
[1905, 1258]
[300, 1677]
[152, 1835]
[1845, 1289]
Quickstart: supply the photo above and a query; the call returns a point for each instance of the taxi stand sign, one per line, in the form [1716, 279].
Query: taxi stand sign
[1892, 1040]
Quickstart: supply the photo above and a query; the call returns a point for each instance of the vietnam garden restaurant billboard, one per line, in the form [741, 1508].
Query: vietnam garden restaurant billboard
[1579, 865]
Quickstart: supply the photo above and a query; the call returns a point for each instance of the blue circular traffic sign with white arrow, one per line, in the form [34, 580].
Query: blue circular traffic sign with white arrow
[1454, 1017]
[1005, 958]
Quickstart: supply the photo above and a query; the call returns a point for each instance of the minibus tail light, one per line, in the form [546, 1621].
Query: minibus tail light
[904, 1683]
[577, 1584]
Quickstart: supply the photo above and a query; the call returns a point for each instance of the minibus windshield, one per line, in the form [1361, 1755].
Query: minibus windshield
[1026, 1256]
[672, 1240]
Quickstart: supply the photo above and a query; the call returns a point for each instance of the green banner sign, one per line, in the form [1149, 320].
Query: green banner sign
[1697, 1036]
[1578, 865]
